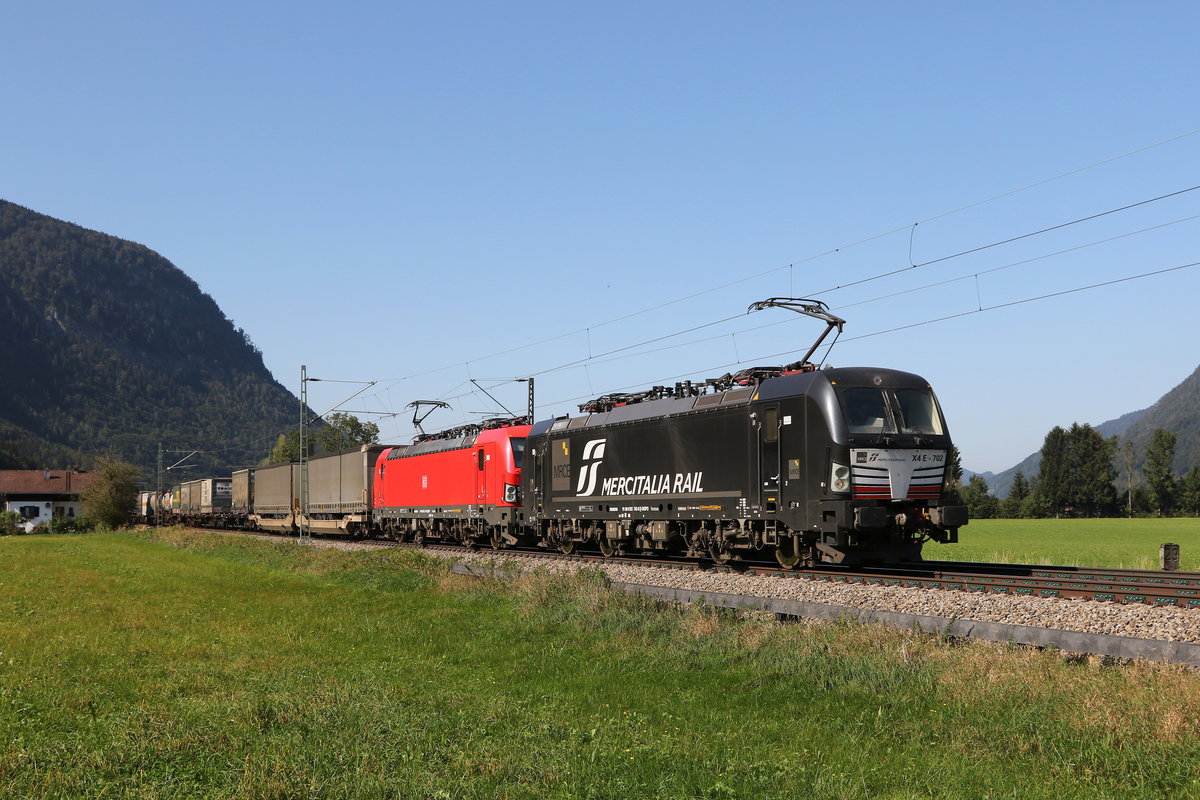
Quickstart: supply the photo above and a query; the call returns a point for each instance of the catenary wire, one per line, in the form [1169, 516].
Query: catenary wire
[842, 248]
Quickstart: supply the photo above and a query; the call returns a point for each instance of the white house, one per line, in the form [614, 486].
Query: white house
[41, 496]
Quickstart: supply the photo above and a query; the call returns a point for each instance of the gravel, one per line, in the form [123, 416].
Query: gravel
[1173, 624]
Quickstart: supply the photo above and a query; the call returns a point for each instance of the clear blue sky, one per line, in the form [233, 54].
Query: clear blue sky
[397, 191]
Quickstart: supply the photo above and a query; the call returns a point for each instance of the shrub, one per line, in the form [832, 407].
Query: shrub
[10, 523]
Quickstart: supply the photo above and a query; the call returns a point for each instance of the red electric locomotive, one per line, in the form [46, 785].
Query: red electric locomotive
[460, 485]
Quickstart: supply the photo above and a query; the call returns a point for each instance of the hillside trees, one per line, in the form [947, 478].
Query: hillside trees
[105, 346]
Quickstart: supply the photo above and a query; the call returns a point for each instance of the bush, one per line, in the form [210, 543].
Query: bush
[10, 523]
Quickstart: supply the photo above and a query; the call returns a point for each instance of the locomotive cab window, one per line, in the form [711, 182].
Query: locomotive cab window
[918, 412]
[518, 448]
[890, 411]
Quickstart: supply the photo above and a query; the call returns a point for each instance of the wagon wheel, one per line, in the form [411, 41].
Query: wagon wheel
[419, 538]
[789, 555]
[720, 553]
[566, 547]
[608, 548]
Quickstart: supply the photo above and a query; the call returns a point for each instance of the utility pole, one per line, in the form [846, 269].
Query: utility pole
[305, 534]
[1129, 477]
[530, 382]
[158, 493]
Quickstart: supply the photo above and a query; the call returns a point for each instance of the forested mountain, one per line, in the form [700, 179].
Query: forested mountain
[1178, 411]
[1001, 482]
[107, 347]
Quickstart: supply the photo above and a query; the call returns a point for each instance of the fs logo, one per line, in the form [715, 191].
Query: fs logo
[593, 452]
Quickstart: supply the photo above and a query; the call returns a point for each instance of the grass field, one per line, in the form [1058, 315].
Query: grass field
[1129, 543]
[182, 665]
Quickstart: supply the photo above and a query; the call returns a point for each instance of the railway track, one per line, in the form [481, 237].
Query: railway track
[1158, 588]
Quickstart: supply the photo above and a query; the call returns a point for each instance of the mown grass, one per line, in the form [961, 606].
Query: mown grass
[198, 665]
[1131, 543]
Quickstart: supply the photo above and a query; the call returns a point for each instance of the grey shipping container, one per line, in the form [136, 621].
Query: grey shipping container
[242, 488]
[189, 497]
[275, 489]
[340, 487]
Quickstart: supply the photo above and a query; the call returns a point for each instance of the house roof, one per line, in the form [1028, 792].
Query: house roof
[49, 482]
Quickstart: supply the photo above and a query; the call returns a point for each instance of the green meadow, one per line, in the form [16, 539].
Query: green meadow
[190, 665]
[1132, 543]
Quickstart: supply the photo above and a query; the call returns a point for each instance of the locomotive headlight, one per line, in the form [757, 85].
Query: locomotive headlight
[839, 478]
[510, 493]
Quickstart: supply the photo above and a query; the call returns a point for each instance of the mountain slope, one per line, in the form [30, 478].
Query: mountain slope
[1177, 411]
[111, 348]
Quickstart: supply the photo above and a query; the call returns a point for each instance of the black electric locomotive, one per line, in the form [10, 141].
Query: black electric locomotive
[828, 465]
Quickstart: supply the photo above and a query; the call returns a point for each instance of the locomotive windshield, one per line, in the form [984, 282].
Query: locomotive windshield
[890, 411]
[518, 448]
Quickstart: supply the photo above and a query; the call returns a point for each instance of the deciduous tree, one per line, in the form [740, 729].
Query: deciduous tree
[979, 500]
[112, 497]
[345, 432]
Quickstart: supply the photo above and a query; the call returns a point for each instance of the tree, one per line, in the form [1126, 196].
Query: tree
[978, 499]
[1053, 480]
[1013, 505]
[1092, 490]
[1127, 451]
[345, 432]
[1189, 494]
[954, 472]
[287, 448]
[340, 432]
[112, 497]
[1020, 487]
[1160, 481]
[1077, 472]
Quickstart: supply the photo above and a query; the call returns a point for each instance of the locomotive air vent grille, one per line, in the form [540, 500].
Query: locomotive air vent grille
[882, 483]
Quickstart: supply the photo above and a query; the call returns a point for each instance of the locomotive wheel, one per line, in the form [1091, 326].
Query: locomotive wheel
[607, 547]
[419, 538]
[566, 547]
[496, 541]
[789, 555]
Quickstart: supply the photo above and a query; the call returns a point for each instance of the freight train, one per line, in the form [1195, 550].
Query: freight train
[809, 465]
